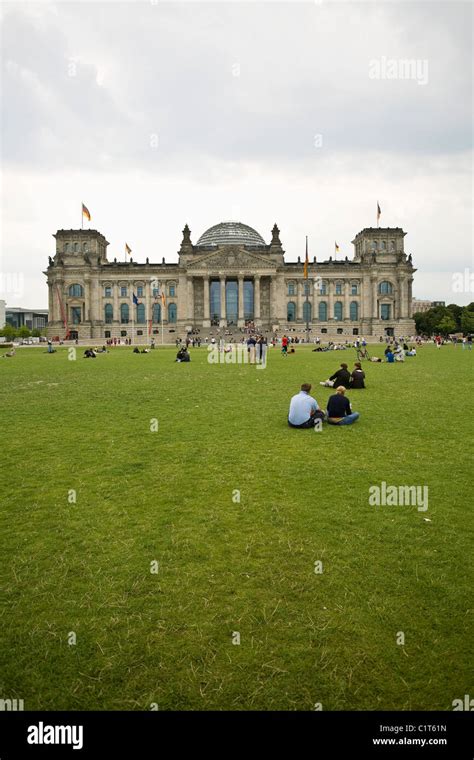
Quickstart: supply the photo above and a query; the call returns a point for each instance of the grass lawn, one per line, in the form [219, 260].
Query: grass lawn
[225, 566]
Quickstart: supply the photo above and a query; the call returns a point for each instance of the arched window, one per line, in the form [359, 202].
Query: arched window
[108, 291]
[172, 312]
[373, 245]
[124, 312]
[354, 311]
[291, 289]
[323, 311]
[156, 313]
[291, 311]
[141, 313]
[383, 245]
[385, 288]
[76, 247]
[84, 246]
[338, 310]
[392, 245]
[307, 316]
[76, 290]
[338, 290]
[108, 313]
[67, 247]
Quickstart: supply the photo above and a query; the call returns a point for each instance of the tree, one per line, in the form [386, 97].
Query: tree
[8, 332]
[23, 332]
[446, 326]
[456, 312]
[467, 321]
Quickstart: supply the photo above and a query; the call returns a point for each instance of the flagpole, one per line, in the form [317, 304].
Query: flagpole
[306, 289]
[162, 316]
[82, 215]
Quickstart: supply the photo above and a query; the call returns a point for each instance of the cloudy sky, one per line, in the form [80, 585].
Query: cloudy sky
[157, 114]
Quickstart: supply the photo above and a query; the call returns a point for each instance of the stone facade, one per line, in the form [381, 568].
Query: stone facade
[229, 278]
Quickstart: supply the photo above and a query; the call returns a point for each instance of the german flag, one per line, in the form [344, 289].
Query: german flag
[128, 249]
[86, 213]
[336, 247]
[306, 261]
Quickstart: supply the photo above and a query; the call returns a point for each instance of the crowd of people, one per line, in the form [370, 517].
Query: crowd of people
[304, 410]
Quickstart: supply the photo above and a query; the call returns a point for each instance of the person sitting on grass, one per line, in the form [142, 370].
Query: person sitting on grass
[89, 353]
[357, 376]
[341, 377]
[376, 359]
[399, 354]
[9, 353]
[339, 411]
[390, 356]
[304, 410]
[183, 355]
[411, 352]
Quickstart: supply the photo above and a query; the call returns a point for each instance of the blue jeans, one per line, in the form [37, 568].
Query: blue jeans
[347, 420]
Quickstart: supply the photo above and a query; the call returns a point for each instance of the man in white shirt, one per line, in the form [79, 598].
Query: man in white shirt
[304, 410]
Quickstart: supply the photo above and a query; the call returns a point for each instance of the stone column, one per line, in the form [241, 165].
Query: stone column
[148, 307]
[115, 295]
[223, 320]
[331, 299]
[409, 296]
[315, 300]
[403, 298]
[375, 314]
[256, 297]
[240, 320]
[347, 313]
[190, 299]
[299, 300]
[206, 317]
[50, 302]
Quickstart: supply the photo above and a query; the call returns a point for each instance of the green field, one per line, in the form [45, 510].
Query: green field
[224, 566]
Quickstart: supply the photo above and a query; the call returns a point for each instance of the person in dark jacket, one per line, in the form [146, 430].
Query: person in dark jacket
[357, 376]
[339, 411]
[341, 377]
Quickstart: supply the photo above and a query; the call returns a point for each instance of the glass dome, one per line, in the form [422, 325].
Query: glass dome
[227, 233]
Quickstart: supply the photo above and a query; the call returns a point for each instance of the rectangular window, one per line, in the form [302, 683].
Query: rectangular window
[354, 289]
[139, 332]
[123, 291]
[140, 292]
[76, 315]
[172, 290]
[107, 333]
[108, 291]
[338, 289]
[385, 311]
[123, 333]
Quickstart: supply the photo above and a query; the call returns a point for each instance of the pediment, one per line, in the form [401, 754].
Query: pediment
[230, 258]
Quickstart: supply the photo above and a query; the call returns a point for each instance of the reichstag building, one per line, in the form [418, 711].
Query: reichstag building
[228, 280]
